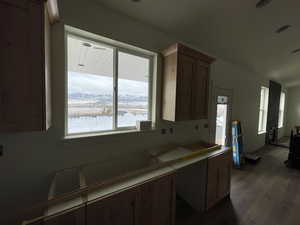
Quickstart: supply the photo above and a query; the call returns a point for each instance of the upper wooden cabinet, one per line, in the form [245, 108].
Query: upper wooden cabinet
[25, 64]
[185, 84]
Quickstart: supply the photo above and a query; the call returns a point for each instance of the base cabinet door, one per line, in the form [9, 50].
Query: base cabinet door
[157, 202]
[120, 209]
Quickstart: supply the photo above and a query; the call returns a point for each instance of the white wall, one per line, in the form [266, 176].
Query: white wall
[293, 109]
[30, 159]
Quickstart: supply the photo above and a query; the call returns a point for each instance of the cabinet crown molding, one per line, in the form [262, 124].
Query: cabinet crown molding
[183, 49]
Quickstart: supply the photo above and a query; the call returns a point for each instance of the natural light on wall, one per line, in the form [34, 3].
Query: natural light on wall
[108, 88]
[281, 110]
[263, 110]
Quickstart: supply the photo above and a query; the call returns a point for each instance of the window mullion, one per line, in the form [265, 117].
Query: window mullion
[115, 80]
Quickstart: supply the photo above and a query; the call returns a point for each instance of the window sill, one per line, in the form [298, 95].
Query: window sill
[262, 132]
[108, 133]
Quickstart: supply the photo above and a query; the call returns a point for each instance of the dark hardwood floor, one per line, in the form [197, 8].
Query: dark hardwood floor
[267, 193]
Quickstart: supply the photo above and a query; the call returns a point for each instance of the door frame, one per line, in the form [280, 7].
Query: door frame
[219, 91]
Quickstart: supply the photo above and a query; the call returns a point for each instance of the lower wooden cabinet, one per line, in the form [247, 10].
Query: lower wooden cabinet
[115, 210]
[218, 178]
[157, 202]
[151, 203]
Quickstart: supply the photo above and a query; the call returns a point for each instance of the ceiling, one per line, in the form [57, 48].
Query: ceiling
[89, 57]
[231, 29]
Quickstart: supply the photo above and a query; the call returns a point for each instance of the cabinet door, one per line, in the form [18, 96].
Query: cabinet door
[186, 69]
[212, 182]
[200, 91]
[157, 202]
[225, 175]
[115, 210]
[21, 80]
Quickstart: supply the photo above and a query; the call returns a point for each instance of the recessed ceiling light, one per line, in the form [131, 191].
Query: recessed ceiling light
[99, 48]
[295, 51]
[86, 44]
[263, 3]
[283, 28]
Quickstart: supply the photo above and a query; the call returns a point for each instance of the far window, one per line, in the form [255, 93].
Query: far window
[263, 110]
[281, 110]
[109, 87]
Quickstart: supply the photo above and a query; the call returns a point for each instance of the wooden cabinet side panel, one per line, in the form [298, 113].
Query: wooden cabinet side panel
[115, 210]
[186, 70]
[157, 202]
[169, 87]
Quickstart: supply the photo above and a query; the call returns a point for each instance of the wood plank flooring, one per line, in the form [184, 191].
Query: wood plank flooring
[267, 193]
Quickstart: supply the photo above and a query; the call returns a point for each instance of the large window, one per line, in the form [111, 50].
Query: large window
[109, 87]
[281, 110]
[263, 110]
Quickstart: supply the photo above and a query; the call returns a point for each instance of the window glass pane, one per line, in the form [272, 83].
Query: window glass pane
[263, 112]
[133, 89]
[90, 86]
[281, 110]
[222, 100]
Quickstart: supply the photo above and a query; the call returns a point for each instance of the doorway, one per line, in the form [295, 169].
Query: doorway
[222, 111]
[221, 120]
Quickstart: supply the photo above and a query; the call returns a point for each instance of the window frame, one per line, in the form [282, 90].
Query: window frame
[263, 110]
[117, 47]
